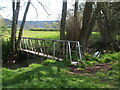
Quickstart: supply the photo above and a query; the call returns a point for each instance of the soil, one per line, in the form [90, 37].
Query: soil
[90, 69]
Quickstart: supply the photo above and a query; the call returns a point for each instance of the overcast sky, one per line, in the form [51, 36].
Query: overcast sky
[54, 8]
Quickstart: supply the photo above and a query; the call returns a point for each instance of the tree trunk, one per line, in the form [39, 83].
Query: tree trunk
[63, 20]
[13, 53]
[17, 15]
[104, 24]
[14, 25]
[23, 22]
[92, 21]
[76, 24]
[85, 25]
[108, 30]
[76, 10]
[13, 28]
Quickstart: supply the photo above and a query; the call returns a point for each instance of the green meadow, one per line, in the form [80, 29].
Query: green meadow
[54, 74]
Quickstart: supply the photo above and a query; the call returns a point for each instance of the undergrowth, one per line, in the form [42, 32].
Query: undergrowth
[89, 60]
[5, 48]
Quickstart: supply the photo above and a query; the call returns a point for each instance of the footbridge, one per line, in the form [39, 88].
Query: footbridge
[53, 49]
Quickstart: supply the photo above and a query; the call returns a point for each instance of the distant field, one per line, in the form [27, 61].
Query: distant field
[53, 35]
[41, 34]
[38, 34]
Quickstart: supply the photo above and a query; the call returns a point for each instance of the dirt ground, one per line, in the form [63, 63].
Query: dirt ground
[90, 69]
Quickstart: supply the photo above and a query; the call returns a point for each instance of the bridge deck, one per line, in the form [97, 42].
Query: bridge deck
[42, 54]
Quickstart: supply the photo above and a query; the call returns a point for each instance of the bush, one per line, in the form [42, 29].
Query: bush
[5, 48]
[73, 27]
[48, 61]
[110, 57]
[89, 60]
[88, 57]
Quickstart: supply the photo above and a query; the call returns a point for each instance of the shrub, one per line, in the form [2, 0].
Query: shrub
[89, 60]
[88, 57]
[110, 57]
[73, 27]
[5, 48]
[48, 61]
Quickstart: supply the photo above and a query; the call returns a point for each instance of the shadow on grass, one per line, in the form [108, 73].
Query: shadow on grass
[47, 76]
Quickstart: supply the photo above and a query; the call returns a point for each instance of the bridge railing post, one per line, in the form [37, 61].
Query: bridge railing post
[31, 44]
[80, 51]
[70, 52]
[67, 49]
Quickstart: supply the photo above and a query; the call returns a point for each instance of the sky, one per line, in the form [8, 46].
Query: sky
[53, 7]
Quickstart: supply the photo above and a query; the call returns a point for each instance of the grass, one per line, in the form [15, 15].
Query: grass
[44, 29]
[54, 74]
[41, 34]
[37, 34]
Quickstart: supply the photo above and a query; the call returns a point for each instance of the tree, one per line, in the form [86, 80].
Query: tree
[14, 25]
[63, 20]
[46, 25]
[23, 22]
[1, 21]
[1, 25]
[55, 25]
[89, 18]
[73, 24]
[108, 21]
[14, 43]
[76, 10]
[85, 24]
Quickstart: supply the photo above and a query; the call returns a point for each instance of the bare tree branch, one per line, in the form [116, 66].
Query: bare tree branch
[24, 2]
[35, 9]
[43, 7]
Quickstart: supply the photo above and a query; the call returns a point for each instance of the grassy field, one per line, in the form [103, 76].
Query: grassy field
[42, 34]
[54, 74]
[46, 34]
[37, 34]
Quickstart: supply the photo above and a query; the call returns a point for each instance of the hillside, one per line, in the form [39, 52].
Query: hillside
[33, 24]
